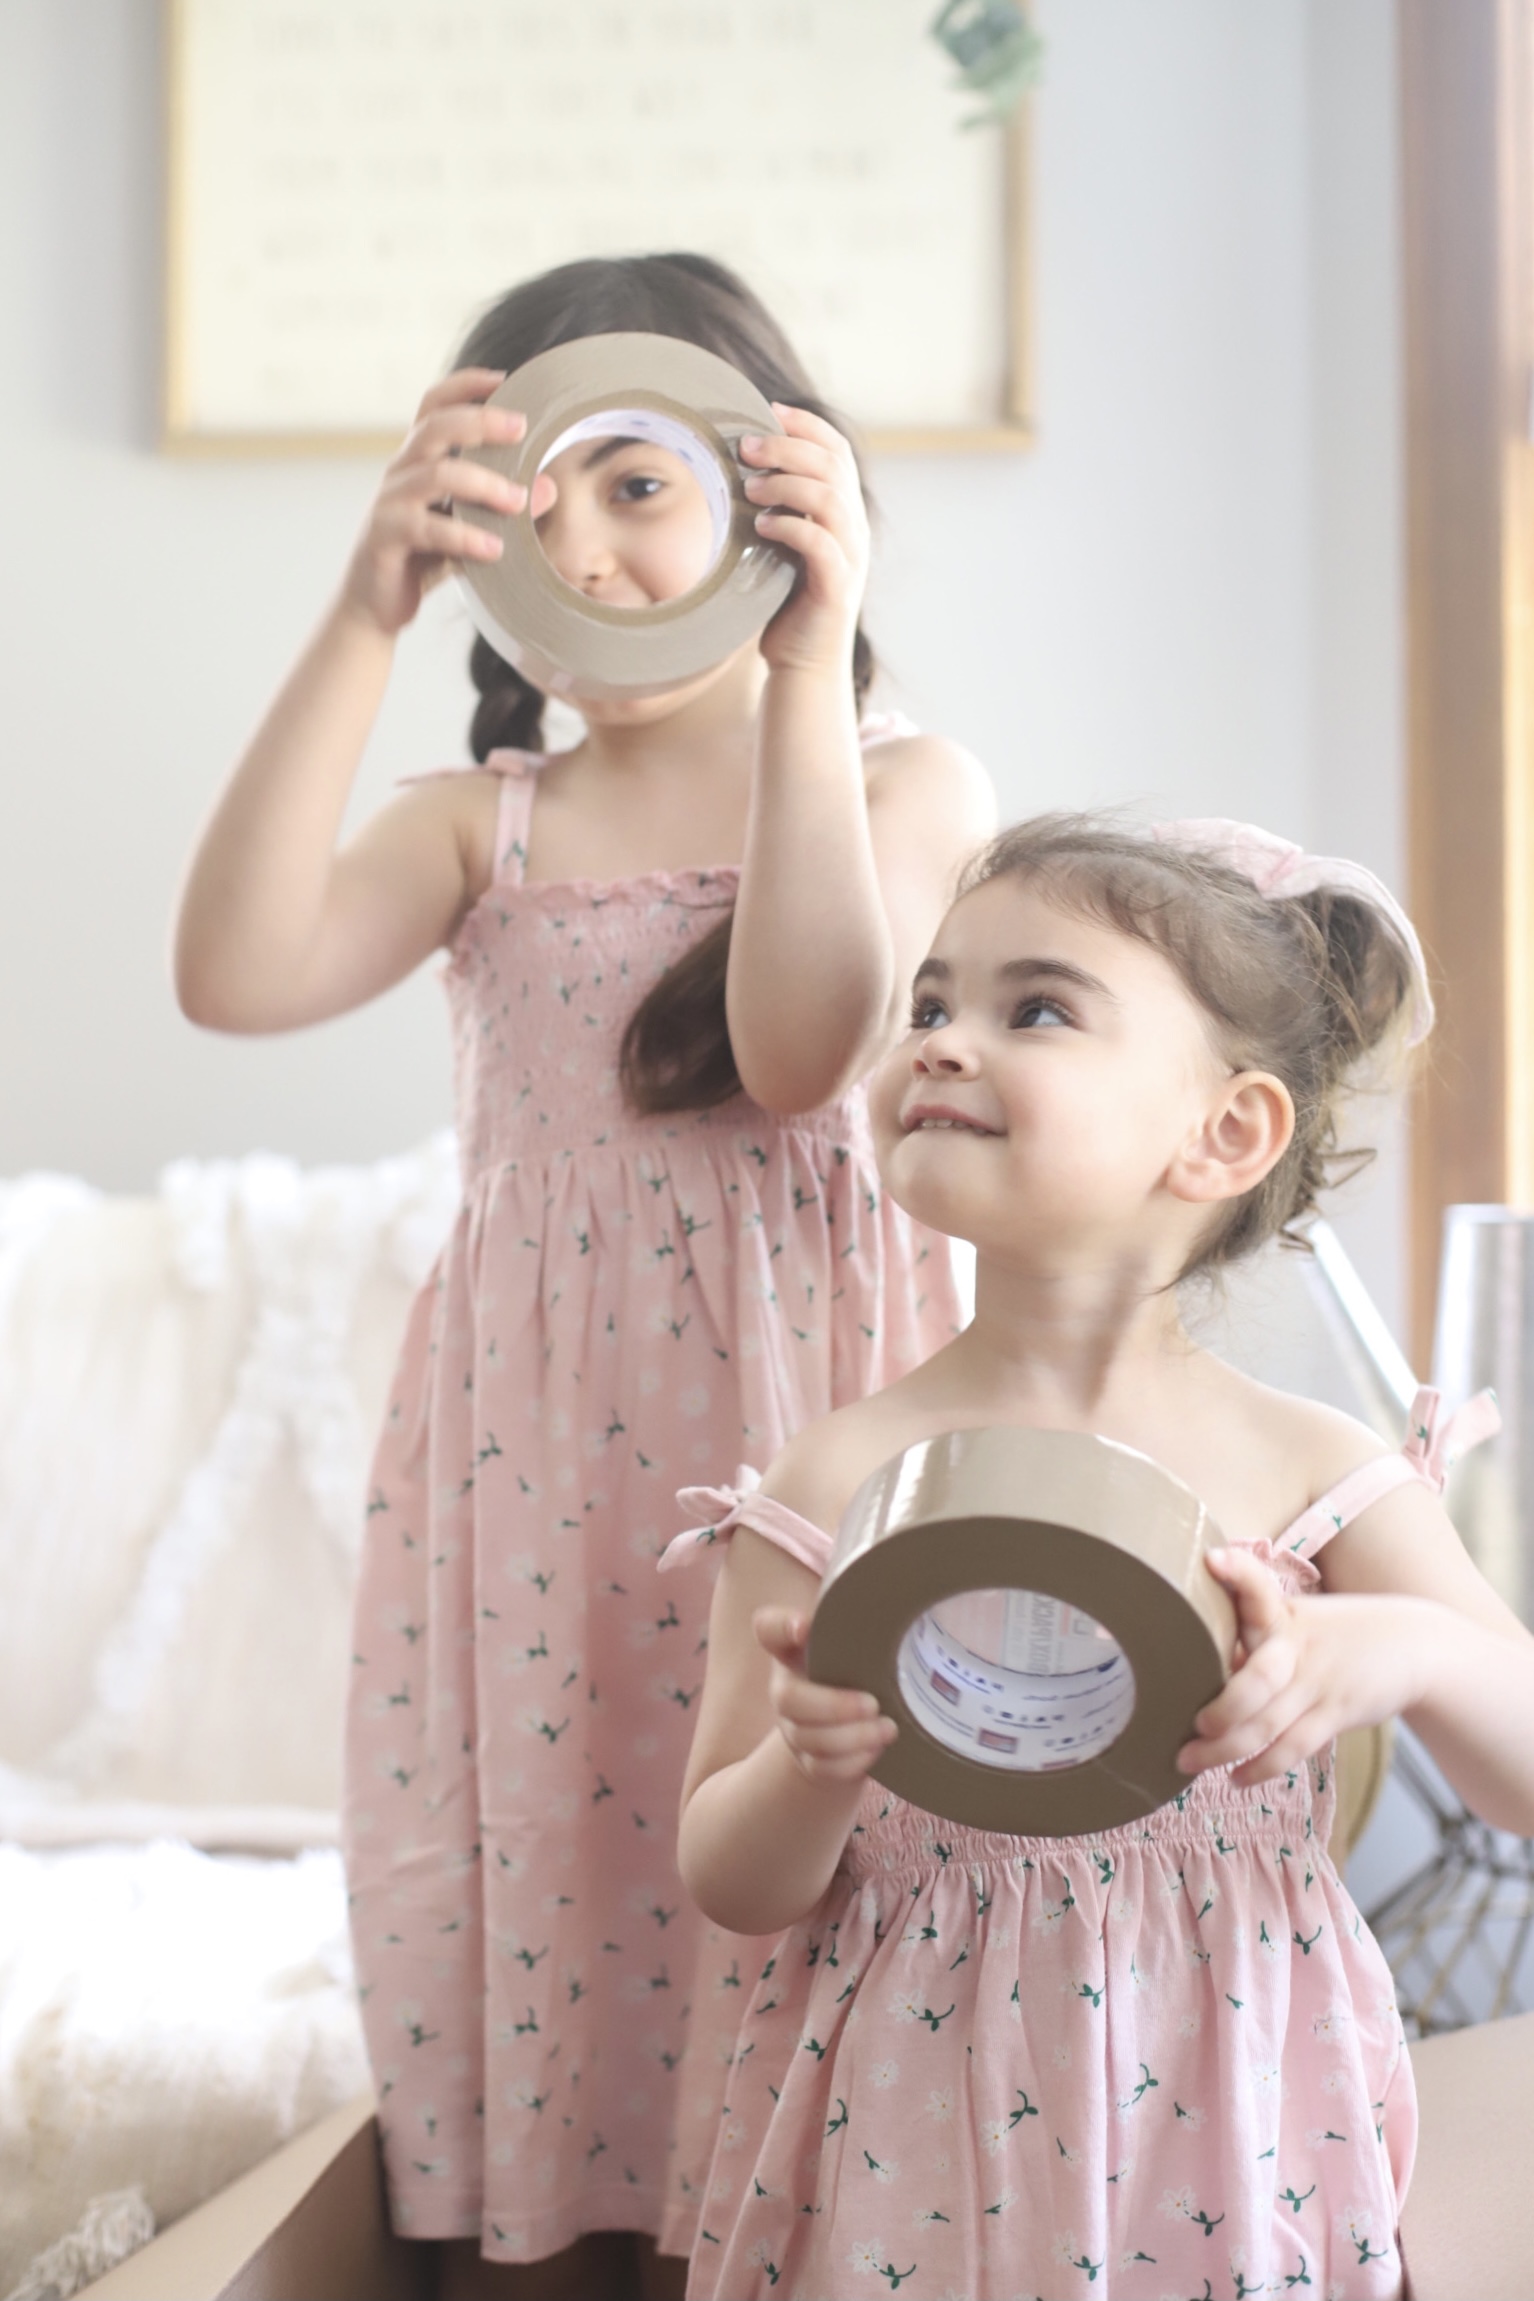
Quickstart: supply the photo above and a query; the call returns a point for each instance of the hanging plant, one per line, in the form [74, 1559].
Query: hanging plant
[997, 50]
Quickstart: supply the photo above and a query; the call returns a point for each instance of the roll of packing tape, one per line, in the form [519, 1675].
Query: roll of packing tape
[678, 397]
[1033, 1609]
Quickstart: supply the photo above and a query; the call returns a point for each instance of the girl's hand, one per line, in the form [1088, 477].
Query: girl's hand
[807, 482]
[411, 537]
[1309, 1668]
[834, 1734]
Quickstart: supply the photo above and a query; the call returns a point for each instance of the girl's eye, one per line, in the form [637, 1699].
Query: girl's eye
[1039, 1013]
[639, 487]
[928, 1014]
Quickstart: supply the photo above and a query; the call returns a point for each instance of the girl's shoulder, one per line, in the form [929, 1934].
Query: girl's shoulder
[904, 765]
[822, 1466]
[1269, 1456]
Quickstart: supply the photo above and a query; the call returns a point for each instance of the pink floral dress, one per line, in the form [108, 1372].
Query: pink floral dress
[622, 1300]
[1165, 2061]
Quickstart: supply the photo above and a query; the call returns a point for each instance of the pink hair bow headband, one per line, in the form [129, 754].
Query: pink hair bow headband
[1277, 867]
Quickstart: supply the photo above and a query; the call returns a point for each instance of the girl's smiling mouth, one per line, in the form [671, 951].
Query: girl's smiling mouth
[936, 1115]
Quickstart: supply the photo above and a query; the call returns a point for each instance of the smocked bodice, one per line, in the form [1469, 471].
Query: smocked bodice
[542, 982]
[1287, 1820]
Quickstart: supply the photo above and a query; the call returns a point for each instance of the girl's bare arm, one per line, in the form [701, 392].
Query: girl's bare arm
[1406, 1626]
[777, 1765]
[276, 928]
[843, 880]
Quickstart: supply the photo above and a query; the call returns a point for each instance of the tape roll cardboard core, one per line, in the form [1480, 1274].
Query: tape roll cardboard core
[1015, 1680]
[1033, 1609]
[566, 642]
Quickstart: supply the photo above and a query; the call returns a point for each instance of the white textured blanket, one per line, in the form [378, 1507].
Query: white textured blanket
[167, 2018]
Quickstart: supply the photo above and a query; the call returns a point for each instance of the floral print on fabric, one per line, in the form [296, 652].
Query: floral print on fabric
[1165, 2061]
[623, 1302]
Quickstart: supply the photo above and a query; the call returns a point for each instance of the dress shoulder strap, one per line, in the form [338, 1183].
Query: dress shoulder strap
[1434, 1443]
[723, 1508]
[884, 727]
[518, 771]
[514, 808]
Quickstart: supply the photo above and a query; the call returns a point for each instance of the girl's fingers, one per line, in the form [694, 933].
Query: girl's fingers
[848, 1760]
[459, 479]
[769, 452]
[847, 1741]
[462, 384]
[1261, 1606]
[438, 534]
[812, 498]
[799, 423]
[1268, 1673]
[815, 544]
[1310, 1732]
[459, 430]
[1250, 1735]
[799, 1698]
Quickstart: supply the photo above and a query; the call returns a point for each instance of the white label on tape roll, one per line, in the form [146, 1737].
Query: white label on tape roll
[1016, 1680]
[660, 430]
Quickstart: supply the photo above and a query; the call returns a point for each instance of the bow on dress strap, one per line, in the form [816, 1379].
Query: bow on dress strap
[719, 1507]
[1436, 1440]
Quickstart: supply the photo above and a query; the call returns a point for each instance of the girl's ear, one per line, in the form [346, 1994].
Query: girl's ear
[1244, 1134]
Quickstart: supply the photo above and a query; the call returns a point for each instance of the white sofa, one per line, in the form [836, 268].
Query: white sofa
[188, 1390]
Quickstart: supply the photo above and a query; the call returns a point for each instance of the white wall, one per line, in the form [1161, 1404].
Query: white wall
[1186, 594]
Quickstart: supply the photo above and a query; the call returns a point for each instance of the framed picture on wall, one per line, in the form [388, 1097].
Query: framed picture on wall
[352, 181]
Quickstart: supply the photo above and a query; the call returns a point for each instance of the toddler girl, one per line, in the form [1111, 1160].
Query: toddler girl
[675, 950]
[1164, 2059]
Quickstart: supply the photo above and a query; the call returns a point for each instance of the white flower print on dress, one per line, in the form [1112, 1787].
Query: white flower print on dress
[883, 2075]
[864, 2258]
[1355, 2226]
[1189, 2024]
[940, 2104]
[993, 2133]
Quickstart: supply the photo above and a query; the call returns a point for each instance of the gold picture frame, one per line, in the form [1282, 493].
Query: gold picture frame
[220, 105]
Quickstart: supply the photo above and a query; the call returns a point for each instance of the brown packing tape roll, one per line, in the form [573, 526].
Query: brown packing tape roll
[1014, 1713]
[695, 404]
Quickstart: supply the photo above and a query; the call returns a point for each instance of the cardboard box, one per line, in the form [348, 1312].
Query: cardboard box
[308, 2224]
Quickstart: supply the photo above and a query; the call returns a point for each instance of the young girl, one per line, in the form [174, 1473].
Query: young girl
[1164, 2060]
[675, 950]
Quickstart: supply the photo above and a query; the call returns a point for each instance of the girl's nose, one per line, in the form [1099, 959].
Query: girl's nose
[574, 547]
[945, 1054]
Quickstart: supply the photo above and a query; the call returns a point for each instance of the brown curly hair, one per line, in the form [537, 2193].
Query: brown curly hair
[1307, 986]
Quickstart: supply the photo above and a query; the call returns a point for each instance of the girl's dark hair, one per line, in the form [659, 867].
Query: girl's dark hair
[1305, 986]
[676, 1052]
